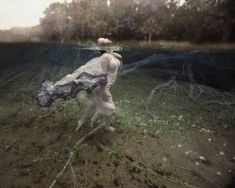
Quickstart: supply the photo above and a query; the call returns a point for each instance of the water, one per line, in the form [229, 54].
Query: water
[165, 98]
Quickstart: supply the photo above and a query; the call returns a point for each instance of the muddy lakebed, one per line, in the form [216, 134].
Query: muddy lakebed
[175, 122]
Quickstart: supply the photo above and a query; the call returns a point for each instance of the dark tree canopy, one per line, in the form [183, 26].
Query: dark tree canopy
[197, 21]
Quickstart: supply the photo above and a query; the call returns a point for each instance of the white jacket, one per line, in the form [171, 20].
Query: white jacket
[108, 63]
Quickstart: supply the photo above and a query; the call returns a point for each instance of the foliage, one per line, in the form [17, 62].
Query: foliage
[199, 21]
[149, 27]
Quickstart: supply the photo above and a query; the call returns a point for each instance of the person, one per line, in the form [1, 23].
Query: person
[98, 75]
[103, 101]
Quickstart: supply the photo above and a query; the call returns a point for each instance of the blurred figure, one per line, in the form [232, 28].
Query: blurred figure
[103, 101]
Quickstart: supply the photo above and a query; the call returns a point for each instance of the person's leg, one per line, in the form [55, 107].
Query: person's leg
[94, 117]
[109, 120]
[90, 109]
[110, 109]
[108, 95]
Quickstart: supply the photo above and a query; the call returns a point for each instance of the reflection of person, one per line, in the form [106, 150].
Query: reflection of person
[109, 64]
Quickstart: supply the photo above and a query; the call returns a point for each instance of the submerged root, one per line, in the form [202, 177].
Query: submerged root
[73, 173]
[223, 103]
[197, 93]
[171, 83]
[200, 93]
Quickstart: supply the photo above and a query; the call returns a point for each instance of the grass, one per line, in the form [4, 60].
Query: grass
[170, 112]
[6, 113]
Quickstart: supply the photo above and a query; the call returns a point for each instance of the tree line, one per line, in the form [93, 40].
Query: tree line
[194, 20]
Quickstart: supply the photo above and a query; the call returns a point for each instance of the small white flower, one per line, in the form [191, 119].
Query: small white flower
[164, 159]
[203, 130]
[180, 118]
[221, 153]
[218, 173]
[188, 152]
[202, 158]
[226, 126]
[209, 139]
[127, 101]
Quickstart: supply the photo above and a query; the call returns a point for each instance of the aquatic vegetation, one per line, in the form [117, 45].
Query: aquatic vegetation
[161, 141]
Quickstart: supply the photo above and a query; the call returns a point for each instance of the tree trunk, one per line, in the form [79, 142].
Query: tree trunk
[227, 30]
[83, 30]
[149, 37]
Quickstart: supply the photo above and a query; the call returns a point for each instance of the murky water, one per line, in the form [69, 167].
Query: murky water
[191, 116]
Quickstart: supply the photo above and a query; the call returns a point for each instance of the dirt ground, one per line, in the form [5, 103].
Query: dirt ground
[175, 143]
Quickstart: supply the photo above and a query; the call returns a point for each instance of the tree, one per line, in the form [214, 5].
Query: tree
[227, 9]
[197, 21]
[55, 21]
[150, 28]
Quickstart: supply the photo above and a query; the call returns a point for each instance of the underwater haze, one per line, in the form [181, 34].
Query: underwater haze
[166, 119]
[174, 97]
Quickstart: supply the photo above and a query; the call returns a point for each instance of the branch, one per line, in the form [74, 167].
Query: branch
[220, 103]
[169, 83]
[74, 177]
[71, 154]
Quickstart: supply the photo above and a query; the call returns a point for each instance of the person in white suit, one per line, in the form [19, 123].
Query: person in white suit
[99, 74]
[108, 63]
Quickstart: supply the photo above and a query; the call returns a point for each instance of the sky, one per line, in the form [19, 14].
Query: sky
[23, 13]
